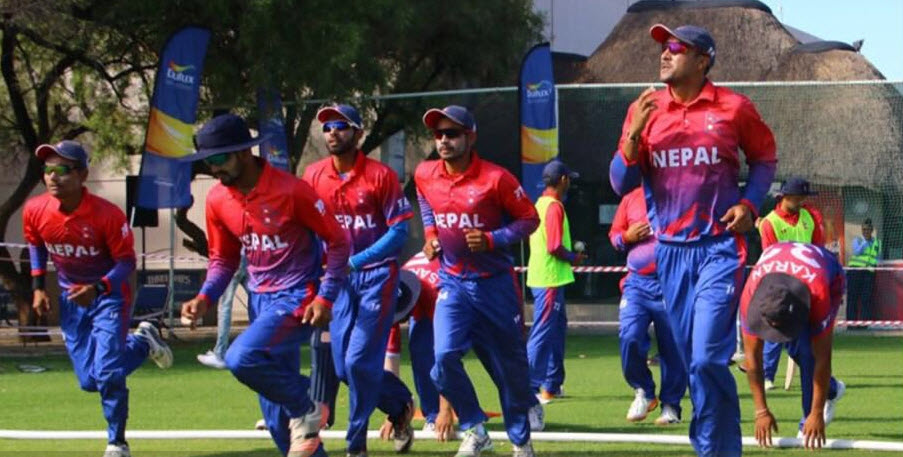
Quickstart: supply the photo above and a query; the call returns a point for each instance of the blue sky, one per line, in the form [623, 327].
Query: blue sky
[878, 22]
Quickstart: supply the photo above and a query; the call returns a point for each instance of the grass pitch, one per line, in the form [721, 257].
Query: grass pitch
[190, 396]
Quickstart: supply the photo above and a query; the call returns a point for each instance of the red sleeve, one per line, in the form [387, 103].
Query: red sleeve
[619, 225]
[223, 246]
[30, 226]
[767, 233]
[119, 237]
[395, 205]
[756, 138]
[818, 233]
[554, 226]
[515, 203]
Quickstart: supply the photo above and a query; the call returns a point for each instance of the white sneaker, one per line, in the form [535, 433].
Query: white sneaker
[212, 360]
[769, 384]
[305, 431]
[669, 416]
[830, 405]
[474, 443]
[523, 451]
[641, 406]
[537, 417]
[159, 350]
[260, 425]
[117, 450]
[737, 357]
[429, 427]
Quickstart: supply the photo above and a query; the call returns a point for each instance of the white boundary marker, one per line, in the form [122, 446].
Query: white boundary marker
[374, 434]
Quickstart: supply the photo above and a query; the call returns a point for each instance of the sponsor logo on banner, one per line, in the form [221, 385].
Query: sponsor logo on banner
[179, 75]
[540, 92]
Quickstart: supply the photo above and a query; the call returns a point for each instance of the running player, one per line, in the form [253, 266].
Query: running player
[683, 144]
[92, 248]
[792, 297]
[367, 201]
[278, 219]
[642, 303]
[472, 210]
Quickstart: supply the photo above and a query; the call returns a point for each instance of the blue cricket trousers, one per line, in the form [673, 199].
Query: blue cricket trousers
[103, 353]
[361, 319]
[545, 346]
[642, 303]
[771, 357]
[800, 350]
[701, 283]
[420, 343]
[266, 358]
[485, 314]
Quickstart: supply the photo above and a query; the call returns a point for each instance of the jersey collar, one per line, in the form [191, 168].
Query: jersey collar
[707, 94]
[472, 171]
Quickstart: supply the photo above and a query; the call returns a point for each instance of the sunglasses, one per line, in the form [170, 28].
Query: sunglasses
[675, 47]
[60, 170]
[451, 134]
[218, 159]
[335, 125]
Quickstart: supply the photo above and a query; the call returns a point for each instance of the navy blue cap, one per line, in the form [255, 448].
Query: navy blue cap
[692, 35]
[779, 308]
[223, 133]
[796, 186]
[408, 293]
[555, 169]
[66, 149]
[456, 113]
[347, 112]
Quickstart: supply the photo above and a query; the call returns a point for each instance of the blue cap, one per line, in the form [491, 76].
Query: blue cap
[223, 133]
[66, 149]
[555, 169]
[796, 186]
[456, 113]
[692, 35]
[346, 112]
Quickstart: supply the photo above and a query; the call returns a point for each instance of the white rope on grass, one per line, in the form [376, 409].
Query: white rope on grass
[374, 434]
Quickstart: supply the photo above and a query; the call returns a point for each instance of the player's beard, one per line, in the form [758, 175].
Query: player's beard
[226, 178]
[341, 147]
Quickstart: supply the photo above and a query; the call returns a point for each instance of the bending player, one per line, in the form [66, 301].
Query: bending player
[92, 248]
[642, 302]
[792, 297]
[420, 281]
[472, 210]
[278, 219]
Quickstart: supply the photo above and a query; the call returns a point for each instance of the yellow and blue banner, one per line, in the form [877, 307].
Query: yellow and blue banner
[164, 181]
[538, 117]
[271, 124]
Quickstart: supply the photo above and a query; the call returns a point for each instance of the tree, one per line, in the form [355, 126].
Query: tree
[83, 68]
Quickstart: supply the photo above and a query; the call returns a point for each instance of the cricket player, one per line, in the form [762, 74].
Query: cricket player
[279, 221]
[548, 272]
[472, 210]
[92, 248]
[641, 304]
[683, 143]
[366, 199]
[792, 297]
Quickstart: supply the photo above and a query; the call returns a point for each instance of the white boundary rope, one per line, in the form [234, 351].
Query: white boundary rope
[374, 434]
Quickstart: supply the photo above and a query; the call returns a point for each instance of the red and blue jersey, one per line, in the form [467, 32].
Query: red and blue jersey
[92, 243]
[366, 201]
[815, 266]
[688, 156]
[640, 256]
[484, 197]
[427, 272]
[277, 223]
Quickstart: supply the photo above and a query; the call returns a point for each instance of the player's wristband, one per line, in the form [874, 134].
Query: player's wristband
[38, 282]
[101, 287]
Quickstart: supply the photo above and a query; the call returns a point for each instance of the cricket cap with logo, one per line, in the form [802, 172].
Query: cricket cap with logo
[779, 308]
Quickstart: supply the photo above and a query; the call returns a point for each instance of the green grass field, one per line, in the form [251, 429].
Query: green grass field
[190, 396]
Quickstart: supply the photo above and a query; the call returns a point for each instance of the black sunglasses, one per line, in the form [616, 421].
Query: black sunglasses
[60, 170]
[448, 133]
[335, 125]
